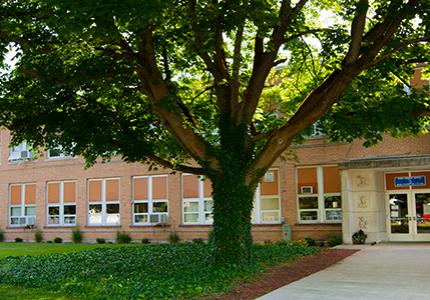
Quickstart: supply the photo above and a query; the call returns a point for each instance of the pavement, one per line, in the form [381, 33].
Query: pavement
[395, 271]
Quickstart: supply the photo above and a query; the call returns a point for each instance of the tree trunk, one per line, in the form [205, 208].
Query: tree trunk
[233, 197]
[233, 203]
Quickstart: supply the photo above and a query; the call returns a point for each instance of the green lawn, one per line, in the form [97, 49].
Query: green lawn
[17, 249]
[155, 271]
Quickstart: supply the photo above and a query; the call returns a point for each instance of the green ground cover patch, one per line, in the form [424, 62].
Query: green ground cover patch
[17, 249]
[160, 271]
[8, 292]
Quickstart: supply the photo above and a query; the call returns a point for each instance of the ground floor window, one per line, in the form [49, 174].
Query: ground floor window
[103, 202]
[267, 201]
[61, 203]
[319, 197]
[22, 204]
[197, 203]
[150, 203]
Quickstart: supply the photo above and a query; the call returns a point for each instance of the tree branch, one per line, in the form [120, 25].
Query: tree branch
[236, 68]
[178, 167]
[357, 29]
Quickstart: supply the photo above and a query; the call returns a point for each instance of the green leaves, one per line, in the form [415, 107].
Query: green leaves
[146, 272]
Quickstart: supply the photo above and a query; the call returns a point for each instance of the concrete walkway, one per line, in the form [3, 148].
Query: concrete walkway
[386, 271]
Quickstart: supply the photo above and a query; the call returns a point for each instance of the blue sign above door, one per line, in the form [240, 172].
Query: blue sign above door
[410, 181]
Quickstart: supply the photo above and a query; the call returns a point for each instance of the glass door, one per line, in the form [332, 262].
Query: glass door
[399, 218]
[422, 215]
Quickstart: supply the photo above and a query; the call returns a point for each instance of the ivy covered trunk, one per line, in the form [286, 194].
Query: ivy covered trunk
[233, 202]
[233, 198]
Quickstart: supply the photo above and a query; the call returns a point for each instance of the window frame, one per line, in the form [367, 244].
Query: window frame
[17, 158]
[321, 195]
[150, 201]
[22, 207]
[201, 199]
[257, 211]
[103, 202]
[61, 204]
[59, 157]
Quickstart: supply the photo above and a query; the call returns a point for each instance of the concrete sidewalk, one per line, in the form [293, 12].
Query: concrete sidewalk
[387, 271]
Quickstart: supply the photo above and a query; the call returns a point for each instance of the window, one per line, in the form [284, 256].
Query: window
[319, 198]
[61, 203]
[21, 152]
[57, 153]
[22, 204]
[197, 204]
[267, 200]
[150, 203]
[103, 202]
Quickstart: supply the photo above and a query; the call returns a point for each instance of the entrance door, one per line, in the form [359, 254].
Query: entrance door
[409, 216]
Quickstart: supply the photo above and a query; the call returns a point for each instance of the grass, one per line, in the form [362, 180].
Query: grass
[18, 249]
[9, 292]
[162, 271]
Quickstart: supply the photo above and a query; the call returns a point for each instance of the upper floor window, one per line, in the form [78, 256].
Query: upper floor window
[22, 151]
[61, 203]
[58, 153]
[22, 204]
[319, 194]
[103, 201]
[150, 201]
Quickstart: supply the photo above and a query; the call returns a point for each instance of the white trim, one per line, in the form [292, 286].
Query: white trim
[103, 202]
[163, 217]
[61, 204]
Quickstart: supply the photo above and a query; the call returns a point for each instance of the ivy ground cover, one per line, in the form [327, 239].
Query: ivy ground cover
[161, 271]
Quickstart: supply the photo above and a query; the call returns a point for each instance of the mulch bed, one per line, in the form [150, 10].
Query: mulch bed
[286, 274]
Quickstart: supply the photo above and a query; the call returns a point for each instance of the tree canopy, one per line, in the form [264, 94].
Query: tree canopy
[226, 84]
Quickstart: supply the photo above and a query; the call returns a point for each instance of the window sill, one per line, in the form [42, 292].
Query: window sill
[102, 226]
[319, 223]
[195, 225]
[150, 225]
[58, 226]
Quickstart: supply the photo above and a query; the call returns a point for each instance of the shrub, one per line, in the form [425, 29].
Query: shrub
[311, 242]
[334, 240]
[49, 242]
[282, 243]
[38, 236]
[18, 240]
[198, 241]
[123, 238]
[77, 236]
[300, 243]
[268, 242]
[146, 241]
[1, 235]
[100, 240]
[174, 237]
[58, 240]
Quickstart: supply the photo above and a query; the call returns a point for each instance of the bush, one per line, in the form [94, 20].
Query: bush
[123, 238]
[1, 235]
[146, 241]
[18, 240]
[58, 240]
[311, 242]
[300, 243]
[198, 241]
[174, 237]
[77, 236]
[49, 242]
[100, 241]
[38, 236]
[334, 240]
[268, 242]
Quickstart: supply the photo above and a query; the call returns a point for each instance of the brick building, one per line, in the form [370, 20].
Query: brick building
[327, 183]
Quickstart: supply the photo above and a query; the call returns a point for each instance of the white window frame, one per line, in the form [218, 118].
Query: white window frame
[61, 205]
[16, 151]
[59, 157]
[321, 210]
[150, 203]
[257, 211]
[201, 199]
[103, 202]
[27, 220]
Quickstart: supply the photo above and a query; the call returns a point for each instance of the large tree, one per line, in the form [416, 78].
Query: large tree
[217, 88]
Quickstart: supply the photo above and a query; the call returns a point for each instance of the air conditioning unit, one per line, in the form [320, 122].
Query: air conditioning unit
[26, 154]
[307, 189]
